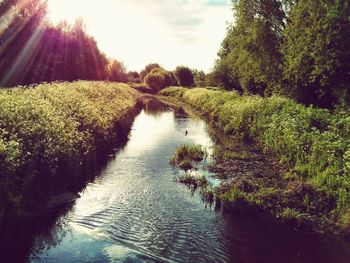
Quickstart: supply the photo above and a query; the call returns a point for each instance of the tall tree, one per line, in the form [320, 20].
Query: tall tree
[117, 71]
[32, 50]
[249, 58]
[133, 76]
[316, 52]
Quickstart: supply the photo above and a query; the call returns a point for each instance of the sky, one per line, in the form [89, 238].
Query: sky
[139, 32]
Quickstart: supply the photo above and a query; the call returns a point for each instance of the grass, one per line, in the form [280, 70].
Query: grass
[140, 87]
[219, 153]
[186, 154]
[50, 125]
[314, 143]
[194, 180]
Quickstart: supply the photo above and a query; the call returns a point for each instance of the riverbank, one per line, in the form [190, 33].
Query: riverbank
[303, 175]
[51, 135]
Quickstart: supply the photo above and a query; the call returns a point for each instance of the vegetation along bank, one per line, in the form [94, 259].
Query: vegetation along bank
[50, 132]
[313, 144]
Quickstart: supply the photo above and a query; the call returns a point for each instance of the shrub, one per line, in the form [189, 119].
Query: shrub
[155, 81]
[184, 76]
[44, 127]
[148, 69]
[159, 78]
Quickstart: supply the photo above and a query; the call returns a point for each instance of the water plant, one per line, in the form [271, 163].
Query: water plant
[186, 154]
[194, 180]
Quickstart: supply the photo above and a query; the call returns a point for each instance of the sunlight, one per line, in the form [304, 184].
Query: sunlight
[138, 32]
[67, 10]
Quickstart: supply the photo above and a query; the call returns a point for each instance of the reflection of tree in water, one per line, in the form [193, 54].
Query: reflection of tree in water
[154, 107]
[48, 232]
[252, 238]
[43, 233]
[180, 113]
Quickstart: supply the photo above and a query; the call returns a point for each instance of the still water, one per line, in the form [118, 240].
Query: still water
[133, 211]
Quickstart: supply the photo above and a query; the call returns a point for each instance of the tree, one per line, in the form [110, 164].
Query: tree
[316, 52]
[249, 58]
[148, 68]
[32, 51]
[199, 78]
[159, 78]
[184, 76]
[133, 77]
[117, 71]
[155, 80]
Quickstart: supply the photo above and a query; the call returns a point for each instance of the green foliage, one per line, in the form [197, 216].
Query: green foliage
[32, 51]
[249, 58]
[52, 124]
[316, 52]
[313, 142]
[344, 222]
[155, 80]
[176, 92]
[199, 78]
[292, 214]
[116, 71]
[148, 68]
[140, 87]
[222, 154]
[133, 77]
[158, 78]
[295, 48]
[192, 179]
[233, 196]
[185, 154]
[184, 76]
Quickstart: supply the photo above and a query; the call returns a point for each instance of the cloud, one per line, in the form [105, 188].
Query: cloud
[183, 18]
[218, 3]
[137, 32]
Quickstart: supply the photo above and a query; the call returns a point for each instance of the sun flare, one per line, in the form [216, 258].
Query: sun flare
[59, 10]
[139, 32]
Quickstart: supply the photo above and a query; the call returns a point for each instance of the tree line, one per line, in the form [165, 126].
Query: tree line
[296, 48]
[32, 50]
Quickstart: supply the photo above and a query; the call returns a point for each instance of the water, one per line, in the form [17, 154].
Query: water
[134, 212]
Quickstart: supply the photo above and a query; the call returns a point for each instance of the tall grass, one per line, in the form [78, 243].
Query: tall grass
[51, 124]
[186, 154]
[314, 142]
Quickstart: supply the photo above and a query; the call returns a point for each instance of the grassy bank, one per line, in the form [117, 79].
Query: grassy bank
[47, 130]
[313, 143]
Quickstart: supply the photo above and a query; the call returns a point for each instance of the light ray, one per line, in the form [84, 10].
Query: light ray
[25, 57]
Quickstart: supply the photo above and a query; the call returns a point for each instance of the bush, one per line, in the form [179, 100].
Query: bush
[44, 127]
[148, 69]
[184, 76]
[159, 79]
[155, 81]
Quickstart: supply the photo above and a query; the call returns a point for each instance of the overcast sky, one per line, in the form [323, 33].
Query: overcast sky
[138, 32]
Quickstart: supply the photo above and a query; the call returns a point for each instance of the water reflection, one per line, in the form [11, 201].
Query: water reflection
[134, 211]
